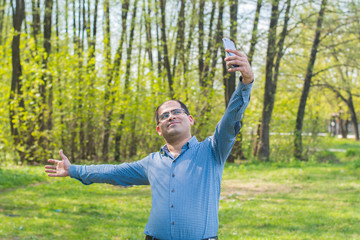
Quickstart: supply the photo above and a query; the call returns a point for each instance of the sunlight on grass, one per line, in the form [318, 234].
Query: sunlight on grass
[258, 201]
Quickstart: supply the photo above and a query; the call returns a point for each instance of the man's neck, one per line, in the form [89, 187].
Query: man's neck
[175, 147]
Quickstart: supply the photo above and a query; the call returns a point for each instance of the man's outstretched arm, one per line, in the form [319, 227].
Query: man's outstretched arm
[125, 174]
[60, 167]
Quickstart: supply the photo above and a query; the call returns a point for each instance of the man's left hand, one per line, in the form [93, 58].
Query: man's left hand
[244, 67]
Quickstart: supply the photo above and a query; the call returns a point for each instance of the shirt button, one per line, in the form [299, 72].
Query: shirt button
[172, 223]
[244, 89]
[172, 205]
[172, 190]
[173, 175]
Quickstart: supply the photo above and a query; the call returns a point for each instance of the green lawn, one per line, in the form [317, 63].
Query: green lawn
[259, 201]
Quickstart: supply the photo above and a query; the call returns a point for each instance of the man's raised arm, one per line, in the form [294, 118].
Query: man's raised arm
[229, 125]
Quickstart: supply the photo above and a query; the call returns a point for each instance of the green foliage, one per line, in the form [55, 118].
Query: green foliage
[76, 83]
[326, 156]
[352, 152]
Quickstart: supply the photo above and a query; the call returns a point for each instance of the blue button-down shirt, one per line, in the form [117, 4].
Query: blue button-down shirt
[185, 190]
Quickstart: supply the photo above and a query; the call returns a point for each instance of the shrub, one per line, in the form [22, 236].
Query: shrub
[326, 157]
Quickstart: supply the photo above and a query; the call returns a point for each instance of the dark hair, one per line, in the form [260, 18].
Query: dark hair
[183, 106]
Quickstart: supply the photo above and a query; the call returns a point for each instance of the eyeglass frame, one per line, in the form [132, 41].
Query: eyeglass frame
[171, 112]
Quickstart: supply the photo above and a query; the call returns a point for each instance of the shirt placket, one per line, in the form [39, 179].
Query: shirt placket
[172, 198]
[173, 194]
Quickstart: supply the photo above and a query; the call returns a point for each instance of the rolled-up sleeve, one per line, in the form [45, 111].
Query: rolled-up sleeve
[229, 126]
[124, 174]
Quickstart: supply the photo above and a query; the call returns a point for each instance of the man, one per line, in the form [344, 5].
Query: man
[185, 176]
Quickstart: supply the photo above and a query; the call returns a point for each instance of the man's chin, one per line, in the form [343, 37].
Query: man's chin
[172, 133]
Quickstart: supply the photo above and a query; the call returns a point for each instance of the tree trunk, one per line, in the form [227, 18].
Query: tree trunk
[47, 78]
[148, 47]
[82, 88]
[158, 44]
[237, 152]
[349, 99]
[254, 37]
[269, 94]
[2, 17]
[126, 92]
[111, 79]
[109, 86]
[91, 68]
[349, 102]
[298, 148]
[207, 65]
[206, 80]
[165, 48]
[353, 117]
[16, 101]
[186, 63]
[36, 20]
[73, 124]
[134, 139]
[59, 79]
[201, 40]
[253, 43]
[179, 45]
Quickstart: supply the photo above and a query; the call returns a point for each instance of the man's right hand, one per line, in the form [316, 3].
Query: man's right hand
[60, 167]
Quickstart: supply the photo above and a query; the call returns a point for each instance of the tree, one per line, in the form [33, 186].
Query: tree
[126, 92]
[112, 77]
[230, 82]
[254, 37]
[16, 101]
[298, 148]
[275, 53]
[164, 45]
[2, 18]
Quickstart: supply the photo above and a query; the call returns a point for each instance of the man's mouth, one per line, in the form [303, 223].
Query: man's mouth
[172, 123]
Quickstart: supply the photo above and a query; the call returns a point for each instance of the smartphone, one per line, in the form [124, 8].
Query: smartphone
[230, 45]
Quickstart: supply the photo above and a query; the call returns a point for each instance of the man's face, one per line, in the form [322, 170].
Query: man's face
[175, 126]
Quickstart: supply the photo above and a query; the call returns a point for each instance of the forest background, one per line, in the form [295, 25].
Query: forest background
[87, 75]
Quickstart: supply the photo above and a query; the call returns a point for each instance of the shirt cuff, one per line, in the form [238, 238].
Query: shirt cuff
[241, 78]
[73, 171]
[244, 87]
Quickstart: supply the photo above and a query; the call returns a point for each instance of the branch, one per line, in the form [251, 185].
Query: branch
[340, 43]
[330, 67]
[332, 88]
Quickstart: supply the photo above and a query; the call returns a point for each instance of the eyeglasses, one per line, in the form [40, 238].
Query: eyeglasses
[174, 112]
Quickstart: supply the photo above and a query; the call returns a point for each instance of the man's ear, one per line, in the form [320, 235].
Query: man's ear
[158, 130]
[191, 119]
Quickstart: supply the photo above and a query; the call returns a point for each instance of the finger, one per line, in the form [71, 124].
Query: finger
[53, 175]
[233, 63]
[50, 167]
[237, 69]
[241, 60]
[54, 161]
[51, 171]
[236, 52]
[62, 155]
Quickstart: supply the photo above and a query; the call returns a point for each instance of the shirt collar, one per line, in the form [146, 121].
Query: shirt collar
[192, 142]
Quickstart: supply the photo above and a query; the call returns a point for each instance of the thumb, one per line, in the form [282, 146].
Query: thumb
[62, 155]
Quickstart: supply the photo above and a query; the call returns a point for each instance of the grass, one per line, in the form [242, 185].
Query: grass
[294, 200]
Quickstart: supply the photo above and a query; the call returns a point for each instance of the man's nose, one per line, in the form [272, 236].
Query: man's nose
[171, 116]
